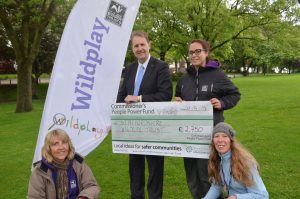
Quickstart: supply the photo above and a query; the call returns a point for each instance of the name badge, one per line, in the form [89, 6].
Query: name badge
[73, 184]
[204, 88]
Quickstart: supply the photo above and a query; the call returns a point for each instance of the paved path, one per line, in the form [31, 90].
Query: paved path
[14, 81]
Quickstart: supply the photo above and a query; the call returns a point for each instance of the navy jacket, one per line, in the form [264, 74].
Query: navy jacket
[156, 84]
[205, 84]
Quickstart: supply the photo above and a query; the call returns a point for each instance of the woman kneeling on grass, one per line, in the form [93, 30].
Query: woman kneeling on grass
[232, 170]
[61, 173]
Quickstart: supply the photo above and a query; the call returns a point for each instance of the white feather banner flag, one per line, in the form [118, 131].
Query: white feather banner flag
[86, 73]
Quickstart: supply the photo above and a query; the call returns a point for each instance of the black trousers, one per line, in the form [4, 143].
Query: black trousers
[197, 176]
[137, 176]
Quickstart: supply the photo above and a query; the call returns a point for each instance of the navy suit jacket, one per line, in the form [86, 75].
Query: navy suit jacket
[156, 84]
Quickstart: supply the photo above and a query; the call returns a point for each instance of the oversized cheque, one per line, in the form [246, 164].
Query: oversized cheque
[162, 128]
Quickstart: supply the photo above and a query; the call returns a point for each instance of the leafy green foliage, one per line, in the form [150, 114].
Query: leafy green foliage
[176, 76]
[239, 31]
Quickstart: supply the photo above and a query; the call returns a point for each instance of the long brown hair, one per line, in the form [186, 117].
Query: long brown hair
[242, 161]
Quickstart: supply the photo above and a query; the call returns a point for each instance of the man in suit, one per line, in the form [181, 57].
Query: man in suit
[155, 85]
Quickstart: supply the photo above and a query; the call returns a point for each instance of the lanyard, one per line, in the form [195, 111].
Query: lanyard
[225, 188]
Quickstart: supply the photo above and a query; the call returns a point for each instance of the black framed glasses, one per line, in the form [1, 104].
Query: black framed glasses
[196, 52]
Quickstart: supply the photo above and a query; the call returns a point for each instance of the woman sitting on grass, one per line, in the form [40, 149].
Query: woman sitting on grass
[232, 170]
[61, 173]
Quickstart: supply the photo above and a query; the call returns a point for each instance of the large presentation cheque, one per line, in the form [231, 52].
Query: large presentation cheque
[180, 129]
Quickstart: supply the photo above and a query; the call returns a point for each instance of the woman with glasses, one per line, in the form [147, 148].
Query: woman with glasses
[204, 81]
[231, 168]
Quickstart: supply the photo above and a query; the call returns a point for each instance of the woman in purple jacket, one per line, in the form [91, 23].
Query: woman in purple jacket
[61, 173]
[204, 81]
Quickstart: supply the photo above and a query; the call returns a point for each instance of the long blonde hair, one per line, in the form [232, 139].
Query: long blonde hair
[49, 140]
[242, 161]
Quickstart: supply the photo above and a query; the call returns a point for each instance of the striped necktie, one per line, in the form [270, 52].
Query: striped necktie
[138, 80]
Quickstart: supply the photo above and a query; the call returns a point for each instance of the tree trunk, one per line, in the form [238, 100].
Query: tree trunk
[265, 69]
[36, 74]
[176, 66]
[35, 84]
[162, 56]
[24, 89]
[257, 69]
[24, 33]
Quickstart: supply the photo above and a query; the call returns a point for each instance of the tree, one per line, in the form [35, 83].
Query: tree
[25, 23]
[49, 44]
[43, 62]
[174, 23]
[163, 28]
[6, 51]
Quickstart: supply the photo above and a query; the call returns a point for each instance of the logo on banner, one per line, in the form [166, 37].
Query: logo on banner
[115, 13]
[76, 125]
[193, 149]
[189, 149]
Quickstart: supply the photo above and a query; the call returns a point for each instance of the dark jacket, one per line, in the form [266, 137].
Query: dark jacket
[207, 83]
[156, 85]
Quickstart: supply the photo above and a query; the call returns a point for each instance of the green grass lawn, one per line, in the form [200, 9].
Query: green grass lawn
[266, 119]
